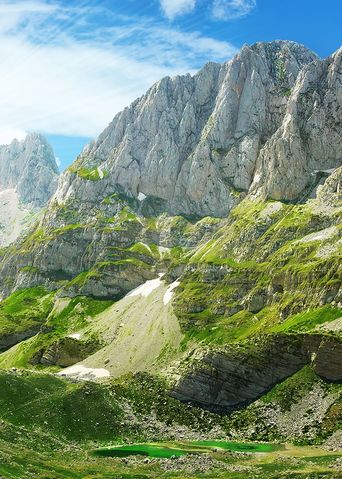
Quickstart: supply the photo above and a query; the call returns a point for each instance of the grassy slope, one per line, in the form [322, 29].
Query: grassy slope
[256, 250]
[263, 252]
[139, 334]
[24, 310]
[67, 316]
[134, 334]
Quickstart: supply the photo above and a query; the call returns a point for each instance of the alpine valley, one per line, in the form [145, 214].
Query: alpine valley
[178, 288]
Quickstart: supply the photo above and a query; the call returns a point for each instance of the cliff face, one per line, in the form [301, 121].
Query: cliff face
[268, 119]
[308, 144]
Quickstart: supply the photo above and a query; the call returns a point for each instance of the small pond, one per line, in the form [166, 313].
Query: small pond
[178, 449]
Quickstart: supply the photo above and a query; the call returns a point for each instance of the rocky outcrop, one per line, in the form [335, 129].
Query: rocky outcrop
[9, 340]
[65, 352]
[234, 376]
[327, 359]
[14, 216]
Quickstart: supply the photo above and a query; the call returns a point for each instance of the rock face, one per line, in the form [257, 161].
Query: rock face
[265, 121]
[29, 167]
[228, 379]
[194, 146]
[308, 143]
[224, 380]
[28, 178]
[65, 352]
[13, 216]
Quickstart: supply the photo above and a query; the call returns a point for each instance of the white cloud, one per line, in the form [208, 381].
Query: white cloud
[11, 13]
[232, 9]
[7, 134]
[70, 78]
[172, 8]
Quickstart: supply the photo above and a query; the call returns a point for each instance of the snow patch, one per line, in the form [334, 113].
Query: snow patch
[75, 336]
[100, 172]
[146, 288]
[86, 374]
[169, 292]
[141, 196]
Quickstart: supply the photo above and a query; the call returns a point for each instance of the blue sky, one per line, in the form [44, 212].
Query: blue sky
[68, 66]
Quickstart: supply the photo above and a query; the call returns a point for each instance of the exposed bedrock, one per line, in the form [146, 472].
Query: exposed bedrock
[233, 377]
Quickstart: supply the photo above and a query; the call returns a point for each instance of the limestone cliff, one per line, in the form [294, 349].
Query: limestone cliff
[268, 119]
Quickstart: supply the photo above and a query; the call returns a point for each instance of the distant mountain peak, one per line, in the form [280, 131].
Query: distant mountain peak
[29, 166]
[28, 179]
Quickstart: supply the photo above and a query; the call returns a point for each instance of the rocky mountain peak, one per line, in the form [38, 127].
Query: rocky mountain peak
[29, 167]
[197, 145]
[28, 179]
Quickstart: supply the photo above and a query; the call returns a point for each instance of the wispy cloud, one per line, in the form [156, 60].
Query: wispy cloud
[232, 9]
[63, 72]
[172, 8]
[12, 13]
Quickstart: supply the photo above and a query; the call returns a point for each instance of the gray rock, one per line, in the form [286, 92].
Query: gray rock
[197, 144]
[30, 167]
[28, 178]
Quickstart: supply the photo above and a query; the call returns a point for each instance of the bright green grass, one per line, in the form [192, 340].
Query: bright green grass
[24, 309]
[75, 314]
[308, 320]
[91, 174]
[83, 411]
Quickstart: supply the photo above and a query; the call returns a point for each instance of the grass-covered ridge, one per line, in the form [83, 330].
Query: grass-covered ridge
[67, 316]
[262, 266]
[93, 412]
[52, 427]
[309, 320]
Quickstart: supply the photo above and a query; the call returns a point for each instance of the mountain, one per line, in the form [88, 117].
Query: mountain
[192, 253]
[197, 145]
[28, 178]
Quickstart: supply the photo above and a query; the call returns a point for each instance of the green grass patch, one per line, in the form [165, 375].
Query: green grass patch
[24, 309]
[309, 320]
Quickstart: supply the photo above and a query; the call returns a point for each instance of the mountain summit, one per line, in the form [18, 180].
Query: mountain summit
[197, 145]
[29, 167]
[28, 178]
